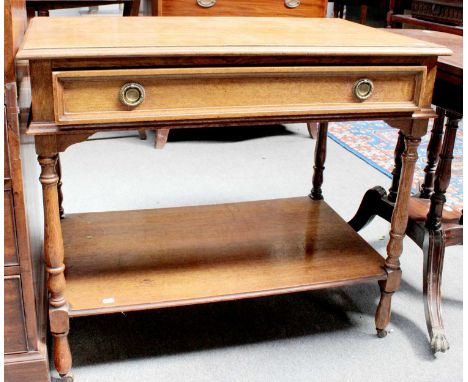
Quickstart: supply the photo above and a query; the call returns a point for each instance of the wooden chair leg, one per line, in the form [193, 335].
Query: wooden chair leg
[433, 152]
[434, 249]
[312, 127]
[319, 165]
[131, 8]
[161, 138]
[370, 207]
[443, 172]
[396, 173]
[363, 15]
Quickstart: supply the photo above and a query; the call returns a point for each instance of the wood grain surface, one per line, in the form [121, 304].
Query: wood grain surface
[58, 37]
[131, 260]
[202, 93]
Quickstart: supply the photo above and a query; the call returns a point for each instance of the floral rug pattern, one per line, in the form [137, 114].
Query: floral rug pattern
[376, 146]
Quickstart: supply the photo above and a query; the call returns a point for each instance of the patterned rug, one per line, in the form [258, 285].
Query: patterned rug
[376, 145]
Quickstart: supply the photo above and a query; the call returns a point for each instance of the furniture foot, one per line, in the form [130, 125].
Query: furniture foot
[319, 164]
[439, 342]
[62, 356]
[142, 134]
[387, 288]
[65, 378]
[434, 250]
[382, 333]
[368, 208]
[161, 138]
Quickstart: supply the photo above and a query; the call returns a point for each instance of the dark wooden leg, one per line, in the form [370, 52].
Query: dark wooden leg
[154, 7]
[43, 13]
[399, 149]
[434, 249]
[399, 222]
[363, 16]
[319, 165]
[161, 138]
[54, 257]
[443, 172]
[433, 151]
[142, 134]
[58, 169]
[369, 208]
[391, 7]
[312, 127]
[131, 8]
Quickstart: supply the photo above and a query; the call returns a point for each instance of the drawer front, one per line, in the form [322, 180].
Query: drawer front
[259, 8]
[172, 95]
[9, 246]
[15, 330]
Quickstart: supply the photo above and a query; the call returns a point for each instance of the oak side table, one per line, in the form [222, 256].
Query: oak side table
[201, 72]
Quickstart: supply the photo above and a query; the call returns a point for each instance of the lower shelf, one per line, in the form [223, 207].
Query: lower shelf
[136, 260]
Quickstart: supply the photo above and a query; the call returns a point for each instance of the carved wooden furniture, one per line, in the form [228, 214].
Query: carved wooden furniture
[42, 7]
[442, 16]
[257, 8]
[25, 353]
[430, 225]
[201, 72]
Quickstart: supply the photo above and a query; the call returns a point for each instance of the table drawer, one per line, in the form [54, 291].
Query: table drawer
[260, 8]
[15, 338]
[10, 247]
[103, 96]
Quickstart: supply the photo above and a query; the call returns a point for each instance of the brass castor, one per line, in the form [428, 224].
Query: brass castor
[381, 333]
[439, 342]
[64, 378]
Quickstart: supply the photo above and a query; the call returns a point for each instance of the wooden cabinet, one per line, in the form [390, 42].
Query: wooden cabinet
[25, 322]
[15, 330]
[290, 8]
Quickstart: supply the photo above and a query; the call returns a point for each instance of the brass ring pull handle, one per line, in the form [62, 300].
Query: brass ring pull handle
[132, 94]
[363, 89]
[292, 3]
[206, 3]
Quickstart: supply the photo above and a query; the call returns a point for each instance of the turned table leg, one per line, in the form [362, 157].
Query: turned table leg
[58, 169]
[319, 164]
[397, 233]
[433, 151]
[54, 257]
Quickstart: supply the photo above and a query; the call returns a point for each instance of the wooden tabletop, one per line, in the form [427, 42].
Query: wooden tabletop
[453, 63]
[79, 37]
